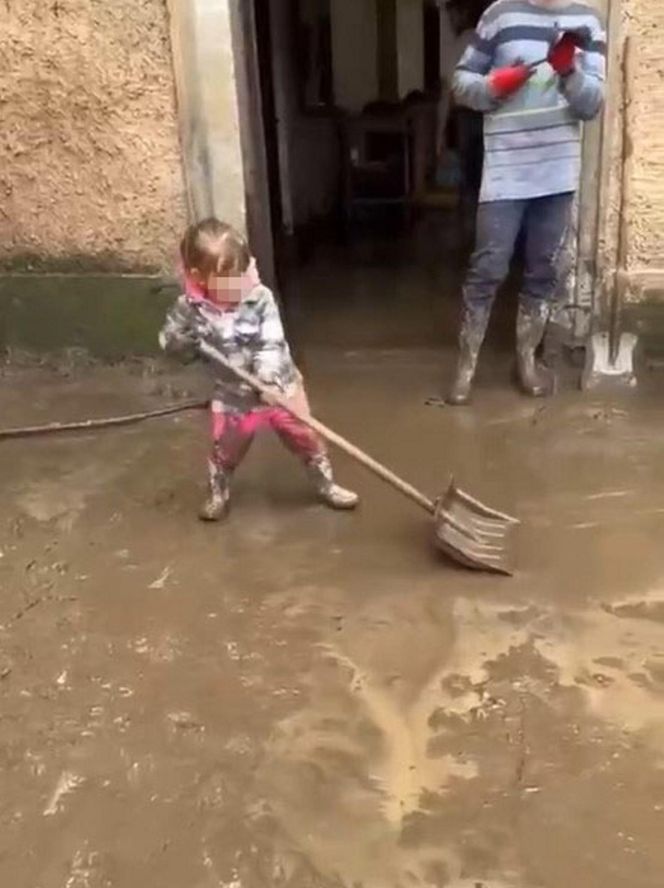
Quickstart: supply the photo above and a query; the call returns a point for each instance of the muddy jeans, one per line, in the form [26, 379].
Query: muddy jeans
[544, 221]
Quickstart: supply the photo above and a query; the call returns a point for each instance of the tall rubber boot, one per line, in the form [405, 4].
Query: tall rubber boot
[471, 337]
[534, 379]
[216, 506]
[329, 492]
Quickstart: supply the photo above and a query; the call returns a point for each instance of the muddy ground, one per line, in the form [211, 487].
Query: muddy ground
[315, 700]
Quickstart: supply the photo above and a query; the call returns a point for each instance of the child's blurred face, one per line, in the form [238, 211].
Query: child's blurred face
[222, 289]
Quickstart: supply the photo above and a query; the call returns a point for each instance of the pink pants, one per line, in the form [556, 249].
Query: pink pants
[232, 434]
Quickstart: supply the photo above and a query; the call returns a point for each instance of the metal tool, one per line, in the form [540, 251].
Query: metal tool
[467, 531]
[609, 352]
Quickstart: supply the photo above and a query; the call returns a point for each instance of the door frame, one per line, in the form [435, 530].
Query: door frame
[260, 225]
[588, 262]
[587, 291]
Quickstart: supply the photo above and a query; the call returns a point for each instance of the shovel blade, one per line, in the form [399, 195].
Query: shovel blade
[474, 535]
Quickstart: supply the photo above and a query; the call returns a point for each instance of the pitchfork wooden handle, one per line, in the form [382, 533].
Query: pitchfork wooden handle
[328, 434]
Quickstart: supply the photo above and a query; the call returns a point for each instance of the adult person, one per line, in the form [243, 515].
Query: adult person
[532, 140]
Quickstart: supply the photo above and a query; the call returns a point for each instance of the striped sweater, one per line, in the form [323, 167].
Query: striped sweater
[532, 139]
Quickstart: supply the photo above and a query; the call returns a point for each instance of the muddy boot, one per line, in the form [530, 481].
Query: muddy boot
[534, 379]
[471, 337]
[216, 506]
[330, 493]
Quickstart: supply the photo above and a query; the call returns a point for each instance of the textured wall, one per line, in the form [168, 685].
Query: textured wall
[90, 169]
[644, 20]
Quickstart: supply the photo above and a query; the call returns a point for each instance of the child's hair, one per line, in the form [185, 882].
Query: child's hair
[214, 247]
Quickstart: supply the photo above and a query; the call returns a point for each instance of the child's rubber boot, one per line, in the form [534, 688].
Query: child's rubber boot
[217, 505]
[329, 492]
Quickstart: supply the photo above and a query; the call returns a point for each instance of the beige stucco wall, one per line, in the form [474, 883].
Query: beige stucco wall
[90, 162]
[643, 21]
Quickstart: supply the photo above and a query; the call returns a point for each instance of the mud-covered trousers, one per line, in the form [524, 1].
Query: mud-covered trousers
[544, 222]
[233, 433]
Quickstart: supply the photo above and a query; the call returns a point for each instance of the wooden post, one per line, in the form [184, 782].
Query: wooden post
[620, 282]
[586, 273]
[252, 137]
[604, 258]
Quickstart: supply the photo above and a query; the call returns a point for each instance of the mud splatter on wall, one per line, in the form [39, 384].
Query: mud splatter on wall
[90, 164]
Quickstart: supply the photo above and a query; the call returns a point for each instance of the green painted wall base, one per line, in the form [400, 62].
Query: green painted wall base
[110, 316]
[116, 316]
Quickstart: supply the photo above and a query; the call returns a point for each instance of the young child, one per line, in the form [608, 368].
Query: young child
[226, 305]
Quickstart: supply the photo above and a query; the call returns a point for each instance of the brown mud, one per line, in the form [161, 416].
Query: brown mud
[314, 700]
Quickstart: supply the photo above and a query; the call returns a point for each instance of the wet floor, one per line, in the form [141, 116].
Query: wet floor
[315, 700]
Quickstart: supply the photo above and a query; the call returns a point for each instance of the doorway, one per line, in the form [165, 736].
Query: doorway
[364, 213]
[265, 54]
[349, 104]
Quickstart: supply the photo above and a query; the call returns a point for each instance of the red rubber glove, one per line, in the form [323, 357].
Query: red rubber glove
[505, 81]
[561, 55]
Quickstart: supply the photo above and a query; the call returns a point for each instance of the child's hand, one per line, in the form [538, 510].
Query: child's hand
[202, 330]
[272, 396]
[299, 401]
